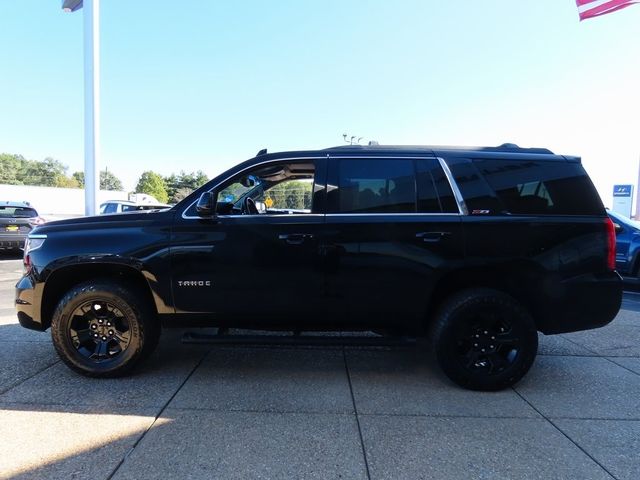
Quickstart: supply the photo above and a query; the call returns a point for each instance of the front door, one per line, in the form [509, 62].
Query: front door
[259, 260]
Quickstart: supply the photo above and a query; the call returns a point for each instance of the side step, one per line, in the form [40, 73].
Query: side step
[297, 340]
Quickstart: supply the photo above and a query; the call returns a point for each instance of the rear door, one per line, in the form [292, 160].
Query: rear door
[392, 228]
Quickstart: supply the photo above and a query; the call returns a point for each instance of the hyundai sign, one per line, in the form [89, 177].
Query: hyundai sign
[622, 195]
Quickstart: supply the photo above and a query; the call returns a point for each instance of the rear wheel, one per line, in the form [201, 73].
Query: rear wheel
[102, 329]
[484, 339]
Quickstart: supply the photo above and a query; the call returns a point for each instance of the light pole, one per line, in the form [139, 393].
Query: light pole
[91, 16]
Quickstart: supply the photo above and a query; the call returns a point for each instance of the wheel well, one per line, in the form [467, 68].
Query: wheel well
[517, 281]
[62, 280]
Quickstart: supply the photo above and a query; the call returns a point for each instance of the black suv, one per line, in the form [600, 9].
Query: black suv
[476, 249]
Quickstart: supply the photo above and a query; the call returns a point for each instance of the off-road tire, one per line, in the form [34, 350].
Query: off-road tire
[131, 302]
[457, 314]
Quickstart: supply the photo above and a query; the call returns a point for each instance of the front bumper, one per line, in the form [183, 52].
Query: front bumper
[27, 303]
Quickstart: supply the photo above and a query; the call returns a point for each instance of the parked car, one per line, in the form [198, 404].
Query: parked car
[477, 249]
[16, 221]
[120, 206]
[627, 244]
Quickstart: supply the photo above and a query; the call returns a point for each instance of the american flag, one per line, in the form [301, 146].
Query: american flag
[595, 8]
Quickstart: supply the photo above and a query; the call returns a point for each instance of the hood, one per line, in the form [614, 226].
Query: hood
[116, 220]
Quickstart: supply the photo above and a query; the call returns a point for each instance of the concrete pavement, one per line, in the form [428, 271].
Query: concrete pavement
[239, 412]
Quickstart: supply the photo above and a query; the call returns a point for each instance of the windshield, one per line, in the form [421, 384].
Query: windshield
[236, 191]
[17, 212]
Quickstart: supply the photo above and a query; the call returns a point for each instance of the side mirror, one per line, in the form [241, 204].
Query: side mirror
[618, 228]
[206, 206]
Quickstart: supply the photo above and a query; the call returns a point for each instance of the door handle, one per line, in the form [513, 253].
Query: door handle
[432, 237]
[295, 238]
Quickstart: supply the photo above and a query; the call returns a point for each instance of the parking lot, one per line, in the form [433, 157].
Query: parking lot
[380, 413]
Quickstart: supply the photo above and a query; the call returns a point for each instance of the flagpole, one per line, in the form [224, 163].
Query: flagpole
[91, 14]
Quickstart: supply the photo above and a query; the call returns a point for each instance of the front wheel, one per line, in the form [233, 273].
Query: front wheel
[484, 339]
[102, 329]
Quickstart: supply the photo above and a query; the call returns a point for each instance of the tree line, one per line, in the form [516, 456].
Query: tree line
[17, 170]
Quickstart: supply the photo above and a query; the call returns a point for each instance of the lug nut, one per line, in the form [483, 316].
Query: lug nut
[475, 344]
[493, 338]
[95, 335]
[110, 332]
[108, 324]
[490, 346]
[100, 321]
[485, 332]
[482, 350]
[94, 326]
[104, 338]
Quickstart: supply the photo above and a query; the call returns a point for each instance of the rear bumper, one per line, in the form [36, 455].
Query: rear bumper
[586, 302]
[12, 240]
[27, 305]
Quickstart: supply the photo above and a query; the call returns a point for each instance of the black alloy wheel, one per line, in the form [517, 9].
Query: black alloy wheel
[99, 330]
[103, 329]
[484, 339]
[487, 342]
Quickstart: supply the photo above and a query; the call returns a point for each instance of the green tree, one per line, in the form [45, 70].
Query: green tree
[47, 173]
[108, 181]
[11, 167]
[181, 185]
[63, 181]
[152, 183]
[79, 176]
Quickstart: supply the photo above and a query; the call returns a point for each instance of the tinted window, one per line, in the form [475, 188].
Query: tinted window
[434, 192]
[477, 194]
[541, 187]
[18, 212]
[376, 186]
[111, 208]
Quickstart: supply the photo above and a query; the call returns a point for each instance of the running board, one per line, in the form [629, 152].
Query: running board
[297, 340]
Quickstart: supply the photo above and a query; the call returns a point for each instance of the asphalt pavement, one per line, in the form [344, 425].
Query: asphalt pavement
[193, 411]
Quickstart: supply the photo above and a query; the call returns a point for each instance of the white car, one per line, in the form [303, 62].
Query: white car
[120, 206]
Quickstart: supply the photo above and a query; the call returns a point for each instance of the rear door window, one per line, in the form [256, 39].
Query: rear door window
[476, 192]
[541, 187]
[434, 192]
[376, 186]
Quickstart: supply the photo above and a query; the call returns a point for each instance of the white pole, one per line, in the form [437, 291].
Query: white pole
[91, 15]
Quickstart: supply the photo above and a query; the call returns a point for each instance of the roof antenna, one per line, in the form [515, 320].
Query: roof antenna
[262, 152]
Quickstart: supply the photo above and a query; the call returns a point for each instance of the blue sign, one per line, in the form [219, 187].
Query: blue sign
[622, 190]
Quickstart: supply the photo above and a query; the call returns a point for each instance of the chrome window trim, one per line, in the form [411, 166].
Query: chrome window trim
[275, 215]
[457, 194]
[255, 165]
[415, 214]
[37, 235]
[462, 207]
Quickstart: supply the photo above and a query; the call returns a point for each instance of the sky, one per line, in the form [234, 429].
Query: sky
[203, 85]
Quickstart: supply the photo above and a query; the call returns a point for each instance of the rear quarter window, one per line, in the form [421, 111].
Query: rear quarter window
[526, 187]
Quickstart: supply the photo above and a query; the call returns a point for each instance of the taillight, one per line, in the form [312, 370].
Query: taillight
[611, 244]
[33, 242]
[26, 262]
